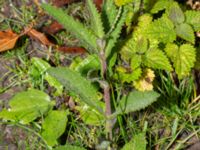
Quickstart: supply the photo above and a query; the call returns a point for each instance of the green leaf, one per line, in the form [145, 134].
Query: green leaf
[183, 58]
[74, 82]
[109, 13]
[160, 5]
[138, 142]
[73, 26]
[69, 147]
[193, 18]
[42, 66]
[136, 100]
[122, 2]
[186, 32]
[91, 116]
[97, 25]
[175, 13]
[162, 29]
[156, 59]
[54, 126]
[112, 39]
[89, 63]
[27, 106]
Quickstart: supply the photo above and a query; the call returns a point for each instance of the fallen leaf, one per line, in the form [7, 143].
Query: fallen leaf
[8, 40]
[53, 28]
[72, 50]
[40, 37]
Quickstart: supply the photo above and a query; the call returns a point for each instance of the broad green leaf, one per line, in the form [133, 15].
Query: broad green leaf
[160, 5]
[74, 82]
[42, 66]
[156, 59]
[69, 147]
[109, 13]
[162, 29]
[114, 35]
[138, 142]
[136, 100]
[197, 62]
[97, 25]
[27, 106]
[73, 26]
[185, 32]
[54, 126]
[175, 13]
[183, 58]
[193, 18]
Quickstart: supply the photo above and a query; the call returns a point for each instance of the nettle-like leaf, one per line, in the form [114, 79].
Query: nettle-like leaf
[156, 59]
[186, 32]
[74, 82]
[193, 18]
[162, 29]
[114, 35]
[183, 58]
[122, 2]
[138, 142]
[160, 5]
[97, 25]
[54, 126]
[135, 101]
[27, 106]
[75, 27]
[175, 13]
[109, 13]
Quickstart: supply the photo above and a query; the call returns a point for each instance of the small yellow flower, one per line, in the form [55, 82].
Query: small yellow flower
[145, 82]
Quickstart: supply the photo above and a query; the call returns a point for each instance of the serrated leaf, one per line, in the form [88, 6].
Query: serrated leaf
[175, 13]
[138, 142]
[97, 25]
[162, 29]
[156, 59]
[160, 5]
[193, 18]
[74, 82]
[185, 32]
[69, 147]
[27, 106]
[54, 126]
[115, 33]
[109, 13]
[73, 26]
[136, 100]
[183, 58]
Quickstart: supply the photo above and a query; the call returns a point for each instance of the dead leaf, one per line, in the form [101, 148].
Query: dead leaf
[72, 50]
[40, 37]
[8, 40]
[98, 4]
[53, 28]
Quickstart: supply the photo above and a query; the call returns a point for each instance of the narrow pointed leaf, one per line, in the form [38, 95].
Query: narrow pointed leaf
[74, 82]
[73, 26]
[97, 25]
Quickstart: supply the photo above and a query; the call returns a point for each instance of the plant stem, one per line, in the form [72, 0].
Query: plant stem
[106, 91]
